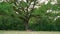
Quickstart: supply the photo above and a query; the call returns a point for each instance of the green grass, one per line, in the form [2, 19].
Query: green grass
[28, 32]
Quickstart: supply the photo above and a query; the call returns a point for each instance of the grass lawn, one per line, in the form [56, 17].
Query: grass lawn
[28, 32]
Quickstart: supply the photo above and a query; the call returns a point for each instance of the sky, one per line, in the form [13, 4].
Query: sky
[46, 1]
[40, 1]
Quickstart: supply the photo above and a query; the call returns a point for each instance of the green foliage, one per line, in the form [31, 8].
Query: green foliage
[10, 23]
[8, 18]
[58, 1]
[57, 24]
[5, 8]
[46, 21]
[44, 24]
[39, 21]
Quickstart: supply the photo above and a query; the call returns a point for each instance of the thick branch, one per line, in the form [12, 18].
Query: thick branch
[30, 14]
[33, 6]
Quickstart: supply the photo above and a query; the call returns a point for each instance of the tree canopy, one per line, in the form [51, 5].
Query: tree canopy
[29, 15]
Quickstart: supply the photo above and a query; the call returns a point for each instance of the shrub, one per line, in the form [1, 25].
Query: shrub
[10, 23]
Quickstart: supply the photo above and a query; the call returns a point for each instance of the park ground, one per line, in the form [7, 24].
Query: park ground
[29, 32]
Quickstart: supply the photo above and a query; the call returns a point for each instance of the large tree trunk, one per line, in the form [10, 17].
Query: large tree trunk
[26, 25]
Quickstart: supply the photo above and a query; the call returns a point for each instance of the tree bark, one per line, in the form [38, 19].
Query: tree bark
[26, 25]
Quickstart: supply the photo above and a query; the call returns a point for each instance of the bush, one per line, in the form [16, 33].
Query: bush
[57, 24]
[9, 23]
[44, 24]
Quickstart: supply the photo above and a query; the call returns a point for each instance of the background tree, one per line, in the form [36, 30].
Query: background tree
[24, 11]
[24, 15]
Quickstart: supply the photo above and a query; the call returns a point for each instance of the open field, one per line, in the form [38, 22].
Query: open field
[28, 32]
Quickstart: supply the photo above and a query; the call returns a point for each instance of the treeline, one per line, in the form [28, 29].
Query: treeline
[44, 18]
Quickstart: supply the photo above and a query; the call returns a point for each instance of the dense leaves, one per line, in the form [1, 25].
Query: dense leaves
[8, 18]
[9, 23]
[18, 16]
